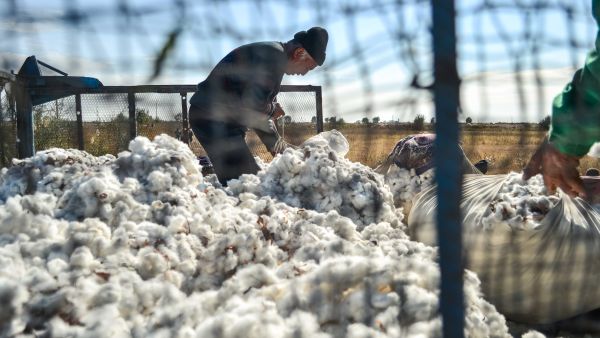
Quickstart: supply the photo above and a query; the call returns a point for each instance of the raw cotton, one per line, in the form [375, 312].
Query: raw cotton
[318, 177]
[405, 185]
[142, 245]
[520, 205]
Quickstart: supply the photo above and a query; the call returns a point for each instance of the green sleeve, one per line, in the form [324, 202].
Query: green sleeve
[576, 110]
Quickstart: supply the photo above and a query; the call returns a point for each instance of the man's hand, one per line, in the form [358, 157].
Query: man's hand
[558, 170]
[277, 111]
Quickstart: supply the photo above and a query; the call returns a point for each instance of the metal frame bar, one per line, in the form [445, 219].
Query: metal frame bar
[156, 89]
[319, 103]
[79, 114]
[132, 115]
[25, 141]
[185, 133]
[52, 68]
[446, 90]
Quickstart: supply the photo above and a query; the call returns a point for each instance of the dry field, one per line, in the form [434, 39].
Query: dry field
[508, 147]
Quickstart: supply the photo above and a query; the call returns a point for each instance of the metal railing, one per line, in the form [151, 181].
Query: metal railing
[103, 120]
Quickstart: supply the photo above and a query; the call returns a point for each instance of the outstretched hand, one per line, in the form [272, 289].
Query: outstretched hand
[558, 170]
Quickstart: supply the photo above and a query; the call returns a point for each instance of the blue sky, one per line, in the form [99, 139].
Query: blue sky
[368, 69]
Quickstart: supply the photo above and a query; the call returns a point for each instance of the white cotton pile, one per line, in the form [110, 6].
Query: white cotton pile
[520, 205]
[141, 245]
[405, 185]
[318, 177]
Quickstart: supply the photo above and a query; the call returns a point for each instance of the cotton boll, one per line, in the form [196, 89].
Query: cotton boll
[519, 204]
[174, 277]
[164, 154]
[92, 196]
[302, 324]
[342, 226]
[150, 263]
[177, 224]
[332, 139]
[82, 258]
[107, 294]
[91, 233]
[13, 298]
[148, 233]
[362, 331]
[159, 181]
[50, 171]
[57, 266]
[406, 184]
[39, 280]
[255, 276]
[424, 329]
[532, 333]
[17, 218]
[12, 263]
[105, 321]
[420, 306]
[57, 327]
[42, 307]
[39, 203]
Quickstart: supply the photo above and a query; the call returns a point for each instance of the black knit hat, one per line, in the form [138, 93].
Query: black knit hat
[315, 42]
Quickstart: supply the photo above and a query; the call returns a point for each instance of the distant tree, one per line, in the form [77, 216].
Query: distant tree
[365, 120]
[432, 121]
[418, 122]
[376, 120]
[341, 121]
[469, 120]
[287, 119]
[544, 123]
[313, 119]
[142, 116]
[327, 120]
[333, 120]
[120, 118]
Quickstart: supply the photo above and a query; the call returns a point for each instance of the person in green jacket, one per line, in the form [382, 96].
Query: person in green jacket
[575, 127]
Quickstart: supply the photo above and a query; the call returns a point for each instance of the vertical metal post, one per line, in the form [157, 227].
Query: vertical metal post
[25, 137]
[447, 162]
[79, 114]
[319, 103]
[132, 117]
[185, 133]
[3, 129]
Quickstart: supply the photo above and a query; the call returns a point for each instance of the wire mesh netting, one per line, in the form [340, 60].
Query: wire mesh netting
[533, 251]
[107, 127]
[105, 123]
[158, 113]
[55, 124]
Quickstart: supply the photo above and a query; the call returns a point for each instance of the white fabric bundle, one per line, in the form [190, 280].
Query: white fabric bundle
[536, 255]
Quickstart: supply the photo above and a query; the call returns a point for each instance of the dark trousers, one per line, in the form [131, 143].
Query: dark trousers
[225, 145]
